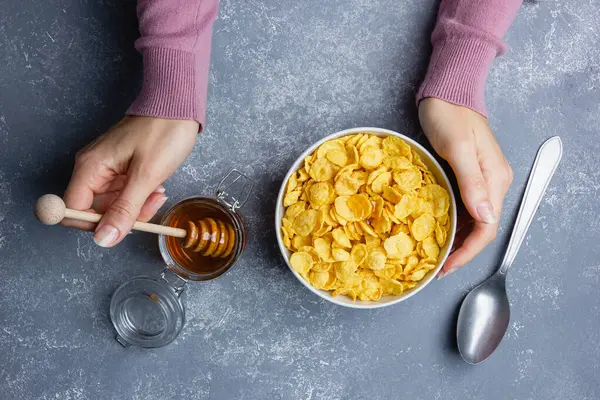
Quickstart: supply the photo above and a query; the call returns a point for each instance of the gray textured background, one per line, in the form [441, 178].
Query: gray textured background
[284, 74]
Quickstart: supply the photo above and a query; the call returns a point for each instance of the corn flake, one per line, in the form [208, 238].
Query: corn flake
[359, 254]
[320, 194]
[418, 275]
[292, 211]
[291, 198]
[360, 206]
[322, 170]
[440, 235]
[300, 241]
[352, 155]
[391, 194]
[301, 262]
[398, 246]
[345, 271]
[397, 162]
[391, 287]
[371, 158]
[395, 146]
[423, 227]
[408, 179]
[408, 204]
[376, 259]
[340, 237]
[384, 179]
[342, 208]
[305, 222]
[372, 242]
[338, 157]
[331, 145]
[340, 254]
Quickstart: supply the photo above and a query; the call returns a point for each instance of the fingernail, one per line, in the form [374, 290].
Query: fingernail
[160, 189]
[158, 203]
[106, 235]
[161, 202]
[486, 213]
[447, 272]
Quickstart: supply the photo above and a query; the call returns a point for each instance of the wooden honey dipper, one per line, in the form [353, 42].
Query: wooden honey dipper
[212, 237]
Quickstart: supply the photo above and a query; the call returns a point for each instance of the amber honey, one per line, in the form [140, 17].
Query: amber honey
[220, 241]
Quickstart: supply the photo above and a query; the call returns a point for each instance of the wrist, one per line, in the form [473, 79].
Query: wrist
[169, 87]
[157, 124]
[457, 72]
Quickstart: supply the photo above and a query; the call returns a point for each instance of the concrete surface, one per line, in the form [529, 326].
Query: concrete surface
[285, 73]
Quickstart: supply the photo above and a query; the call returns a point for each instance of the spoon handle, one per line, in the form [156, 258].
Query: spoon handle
[545, 164]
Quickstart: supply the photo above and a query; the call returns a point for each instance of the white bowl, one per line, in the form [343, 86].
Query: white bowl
[443, 181]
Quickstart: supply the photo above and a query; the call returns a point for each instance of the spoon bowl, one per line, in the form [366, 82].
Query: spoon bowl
[483, 319]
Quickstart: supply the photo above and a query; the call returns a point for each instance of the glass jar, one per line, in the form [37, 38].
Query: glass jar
[188, 263]
[149, 311]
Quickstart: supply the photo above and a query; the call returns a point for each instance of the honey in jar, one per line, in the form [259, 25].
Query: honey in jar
[216, 237]
[216, 231]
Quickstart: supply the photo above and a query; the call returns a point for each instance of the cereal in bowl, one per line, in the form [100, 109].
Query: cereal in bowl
[364, 217]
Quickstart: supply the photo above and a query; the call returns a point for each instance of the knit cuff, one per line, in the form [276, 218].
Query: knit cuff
[457, 72]
[169, 86]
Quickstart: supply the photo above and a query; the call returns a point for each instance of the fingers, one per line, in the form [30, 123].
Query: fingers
[153, 203]
[464, 227]
[498, 176]
[118, 183]
[81, 225]
[464, 161]
[122, 213]
[80, 195]
[103, 201]
[482, 235]
[151, 206]
[476, 196]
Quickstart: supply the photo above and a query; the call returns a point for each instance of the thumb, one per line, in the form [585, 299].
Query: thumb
[122, 214]
[473, 188]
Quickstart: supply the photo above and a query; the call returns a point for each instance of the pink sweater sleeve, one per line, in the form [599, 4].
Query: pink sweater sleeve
[175, 44]
[466, 39]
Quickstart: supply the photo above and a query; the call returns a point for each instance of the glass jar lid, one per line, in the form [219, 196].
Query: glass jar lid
[147, 312]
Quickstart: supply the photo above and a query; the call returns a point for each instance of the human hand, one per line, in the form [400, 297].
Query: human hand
[120, 173]
[463, 137]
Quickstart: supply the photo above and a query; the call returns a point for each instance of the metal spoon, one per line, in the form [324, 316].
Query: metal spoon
[485, 312]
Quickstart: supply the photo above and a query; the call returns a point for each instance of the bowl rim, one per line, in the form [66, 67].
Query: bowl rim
[279, 215]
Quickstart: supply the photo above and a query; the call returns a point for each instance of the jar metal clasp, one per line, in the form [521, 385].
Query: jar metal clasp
[174, 280]
[234, 190]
